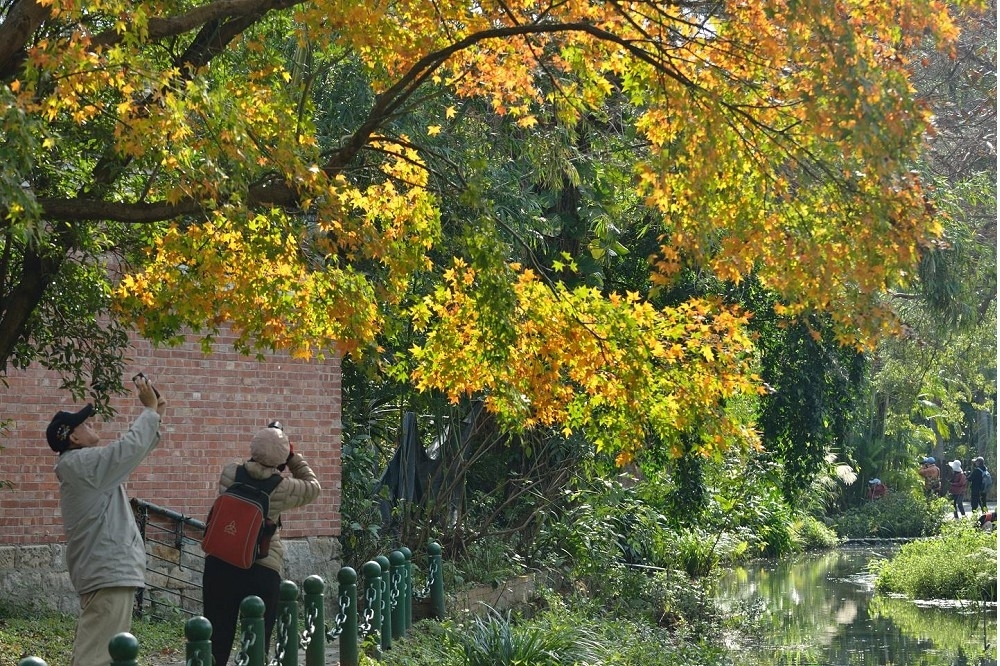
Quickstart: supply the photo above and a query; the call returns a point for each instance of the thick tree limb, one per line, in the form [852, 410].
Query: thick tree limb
[21, 22]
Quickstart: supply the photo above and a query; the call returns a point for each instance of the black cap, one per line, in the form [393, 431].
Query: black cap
[62, 425]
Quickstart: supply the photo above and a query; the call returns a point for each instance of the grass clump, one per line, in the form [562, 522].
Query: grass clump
[961, 563]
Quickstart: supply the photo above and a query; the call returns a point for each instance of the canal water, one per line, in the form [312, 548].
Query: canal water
[821, 609]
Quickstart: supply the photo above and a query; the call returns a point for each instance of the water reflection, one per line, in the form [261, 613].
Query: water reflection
[820, 609]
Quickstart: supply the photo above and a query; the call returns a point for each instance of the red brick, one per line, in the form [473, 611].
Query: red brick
[215, 405]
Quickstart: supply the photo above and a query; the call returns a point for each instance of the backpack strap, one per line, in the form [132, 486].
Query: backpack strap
[267, 485]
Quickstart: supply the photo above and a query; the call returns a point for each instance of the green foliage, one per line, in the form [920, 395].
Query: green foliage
[697, 552]
[427, 642]
[763, 519]
[602, 524]
[574, 630]
[684, 604]
[961, 563]
[815, 384]
[638, 644]
[808, 533]
[486, 561]
[552, 639]
[895, 515]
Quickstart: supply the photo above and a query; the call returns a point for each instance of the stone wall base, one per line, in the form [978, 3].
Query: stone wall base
[34, 579]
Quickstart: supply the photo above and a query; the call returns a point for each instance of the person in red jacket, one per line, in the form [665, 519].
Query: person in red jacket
[957, 486]
[876, 489]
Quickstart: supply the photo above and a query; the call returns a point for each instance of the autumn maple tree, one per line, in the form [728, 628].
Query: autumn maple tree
[291, 170]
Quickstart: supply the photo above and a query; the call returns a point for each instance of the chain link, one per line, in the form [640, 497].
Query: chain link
[196, 661]
[365, 626]
[284, 623]
[341, 619]
[305, 638]
[243, 656]
[397, 580]
[432, 571]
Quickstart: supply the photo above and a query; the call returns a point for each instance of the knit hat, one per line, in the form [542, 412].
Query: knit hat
[269, 447]
[61, 427]
[929, 460]
[956, 465]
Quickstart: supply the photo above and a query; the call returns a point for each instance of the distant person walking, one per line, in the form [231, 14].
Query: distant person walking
[977, 484]
[957, 486]
[931, 474]
[105, 554]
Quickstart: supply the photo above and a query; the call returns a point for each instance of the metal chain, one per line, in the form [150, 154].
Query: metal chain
[365, 626]
[341, 619]
[432, 571]
[284, 623]
[397, 580]
[196, 660]
[243, 656]
[305, 638]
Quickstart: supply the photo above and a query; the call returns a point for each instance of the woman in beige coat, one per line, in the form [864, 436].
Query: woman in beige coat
[224, 586]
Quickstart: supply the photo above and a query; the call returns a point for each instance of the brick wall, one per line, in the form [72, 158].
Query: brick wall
[216, 403]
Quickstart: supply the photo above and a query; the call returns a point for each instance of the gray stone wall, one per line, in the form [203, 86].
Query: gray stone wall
[34, 578]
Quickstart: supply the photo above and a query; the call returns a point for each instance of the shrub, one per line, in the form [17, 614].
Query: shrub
[959, 564]
[809, 533]
[565, 631]
[895, 515]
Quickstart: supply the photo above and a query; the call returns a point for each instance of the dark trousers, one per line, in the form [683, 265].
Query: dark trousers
[978, 499]
[958, 501]
[224, 587]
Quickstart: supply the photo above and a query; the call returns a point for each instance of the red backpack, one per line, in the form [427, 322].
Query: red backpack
[238, 530]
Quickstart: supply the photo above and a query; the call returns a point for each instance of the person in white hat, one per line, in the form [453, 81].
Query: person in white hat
[957, 486]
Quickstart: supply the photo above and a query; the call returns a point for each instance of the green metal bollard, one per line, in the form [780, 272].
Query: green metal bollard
[286, 649]
[252, 625]
[347, 579]
[198, 632]
[315, 624]
[31, 661]
[124, 649]
[372, 574]
[437, 580]
[408, 589]
[386, 630]
[396, 590]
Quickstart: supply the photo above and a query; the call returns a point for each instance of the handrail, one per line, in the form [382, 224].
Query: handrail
[167, 513]
[180, 533]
